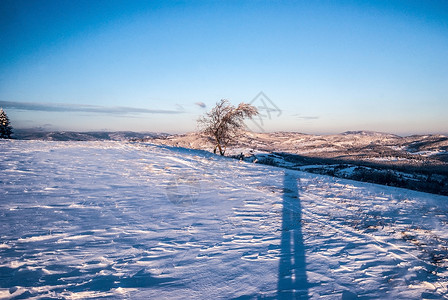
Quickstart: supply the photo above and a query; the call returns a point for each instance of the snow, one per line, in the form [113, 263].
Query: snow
[430, 153]
[140, 221]
[389, 158]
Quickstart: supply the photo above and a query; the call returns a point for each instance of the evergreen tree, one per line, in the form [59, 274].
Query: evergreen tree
[5, 127]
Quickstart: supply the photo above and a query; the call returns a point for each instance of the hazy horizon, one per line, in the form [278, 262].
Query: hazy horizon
[47, 129]
[323, 68]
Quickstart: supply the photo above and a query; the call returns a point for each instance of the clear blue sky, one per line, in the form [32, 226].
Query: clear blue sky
[154, 65]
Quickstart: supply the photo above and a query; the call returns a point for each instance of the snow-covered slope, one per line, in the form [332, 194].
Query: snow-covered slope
[140, 221]
[414, 162]
[356, 144]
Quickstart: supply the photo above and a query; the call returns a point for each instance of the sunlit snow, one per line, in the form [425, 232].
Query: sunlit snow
[140, 221]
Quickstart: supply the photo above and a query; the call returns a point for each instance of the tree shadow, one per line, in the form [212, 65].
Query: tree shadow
[292, 279]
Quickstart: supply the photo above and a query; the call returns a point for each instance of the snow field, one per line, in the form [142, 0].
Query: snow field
[132, 220]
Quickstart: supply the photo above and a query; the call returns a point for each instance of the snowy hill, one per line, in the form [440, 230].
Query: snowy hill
[141, 221]
[417, 162]
[364, 144]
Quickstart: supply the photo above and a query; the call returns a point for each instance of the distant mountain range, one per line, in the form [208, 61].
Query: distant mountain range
[359, 145]
[418, 162]
[39, 134]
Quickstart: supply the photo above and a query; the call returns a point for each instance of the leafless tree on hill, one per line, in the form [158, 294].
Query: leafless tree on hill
[224, 122]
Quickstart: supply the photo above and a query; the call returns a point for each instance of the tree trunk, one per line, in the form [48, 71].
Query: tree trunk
[218, 146]
[220, 149]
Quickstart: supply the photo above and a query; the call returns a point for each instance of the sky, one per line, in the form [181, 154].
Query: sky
[316, 67]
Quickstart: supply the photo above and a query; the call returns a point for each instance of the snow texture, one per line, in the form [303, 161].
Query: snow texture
[140, 221]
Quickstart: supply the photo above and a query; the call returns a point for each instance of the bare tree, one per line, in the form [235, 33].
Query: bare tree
[224, 122]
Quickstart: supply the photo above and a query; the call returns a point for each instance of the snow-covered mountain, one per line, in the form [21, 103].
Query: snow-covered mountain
[348, 143]
[41, 134]
[142, 221]
[418, 162]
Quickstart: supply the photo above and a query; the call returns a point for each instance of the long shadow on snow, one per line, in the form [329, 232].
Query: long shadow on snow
[292, 280]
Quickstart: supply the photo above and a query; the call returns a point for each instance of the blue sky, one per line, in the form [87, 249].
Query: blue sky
[159, 65]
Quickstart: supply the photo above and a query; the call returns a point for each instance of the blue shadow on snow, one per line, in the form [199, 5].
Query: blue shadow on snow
[292, 279]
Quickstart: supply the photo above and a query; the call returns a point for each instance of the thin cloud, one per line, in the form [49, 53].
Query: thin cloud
[201, 104]
[58, 107]
[308, 118]
[300, 117]
[180, 108]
